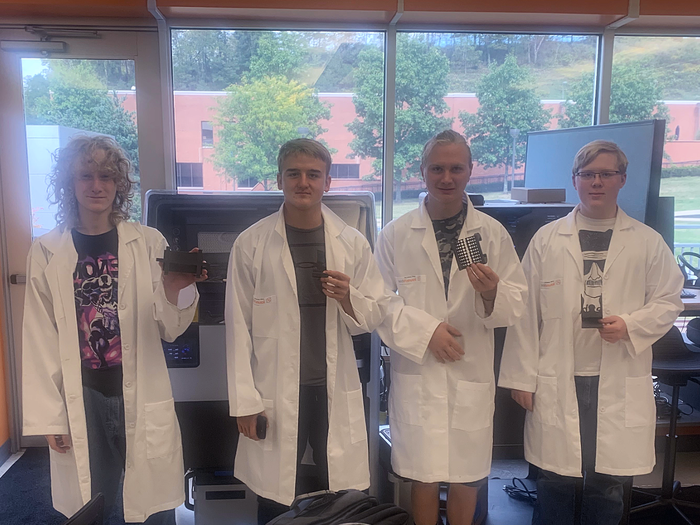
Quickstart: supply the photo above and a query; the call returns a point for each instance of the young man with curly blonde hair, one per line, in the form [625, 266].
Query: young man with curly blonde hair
[94, 377]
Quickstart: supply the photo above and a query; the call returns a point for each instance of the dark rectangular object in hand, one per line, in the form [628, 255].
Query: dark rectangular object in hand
[468, 251]
[261, 426]
[183, 262]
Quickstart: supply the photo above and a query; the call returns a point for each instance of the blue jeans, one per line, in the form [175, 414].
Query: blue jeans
[106, 431]
[595, 499]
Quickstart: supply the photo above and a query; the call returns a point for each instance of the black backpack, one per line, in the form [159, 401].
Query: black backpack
[335, 508]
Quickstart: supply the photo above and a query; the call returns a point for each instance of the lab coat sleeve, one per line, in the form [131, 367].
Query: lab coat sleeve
[368, 296]
[511, 292]
[172, 319]
[520, 361]
[664, 283]
[244, 399]
[43, 406]
[405, 329]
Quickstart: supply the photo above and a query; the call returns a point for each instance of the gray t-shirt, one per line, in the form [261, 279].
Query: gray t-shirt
[308, 249]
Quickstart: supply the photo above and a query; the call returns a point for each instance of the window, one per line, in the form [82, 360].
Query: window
[207, 134]
[345, 171]
[64, 98]
[189, 175]
[254, 90]
[659, 77]
[474, 83]
[248, 182]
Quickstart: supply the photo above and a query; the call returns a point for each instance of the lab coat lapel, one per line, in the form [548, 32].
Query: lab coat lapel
[126, 233]
[60, 269]
[333, 226]
[285, 253]
[429, 244]
[616, 245]
[573, 245]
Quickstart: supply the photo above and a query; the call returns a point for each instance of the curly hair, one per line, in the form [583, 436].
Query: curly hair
[82, 148]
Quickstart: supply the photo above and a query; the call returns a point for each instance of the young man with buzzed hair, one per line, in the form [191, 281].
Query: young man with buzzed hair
[441, 335]
[301, 282]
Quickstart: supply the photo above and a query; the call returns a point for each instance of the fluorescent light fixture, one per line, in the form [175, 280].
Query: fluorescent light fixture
[35, 46]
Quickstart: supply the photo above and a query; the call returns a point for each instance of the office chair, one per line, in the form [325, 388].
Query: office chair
[91, 514]
[674, 365]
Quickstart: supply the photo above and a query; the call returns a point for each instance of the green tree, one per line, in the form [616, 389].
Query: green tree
[507, 99]
[256, 118]
[421, 85]
[278, 54]
[212, 60]
[634, 95]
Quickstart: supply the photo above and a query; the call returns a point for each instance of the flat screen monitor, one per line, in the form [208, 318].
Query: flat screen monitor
[550, 157]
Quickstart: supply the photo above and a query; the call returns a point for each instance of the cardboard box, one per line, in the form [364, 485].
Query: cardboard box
[540, 195]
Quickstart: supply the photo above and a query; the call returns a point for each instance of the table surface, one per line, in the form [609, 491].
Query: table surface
[692, 305]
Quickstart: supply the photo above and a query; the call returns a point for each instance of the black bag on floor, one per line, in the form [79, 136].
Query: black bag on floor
[335, 508]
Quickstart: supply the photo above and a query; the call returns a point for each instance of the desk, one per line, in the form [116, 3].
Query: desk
[692, 305]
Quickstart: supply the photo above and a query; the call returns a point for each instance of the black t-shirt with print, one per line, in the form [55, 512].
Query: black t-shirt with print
[96, 300]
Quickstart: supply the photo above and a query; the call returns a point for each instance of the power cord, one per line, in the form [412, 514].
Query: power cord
[518, 490]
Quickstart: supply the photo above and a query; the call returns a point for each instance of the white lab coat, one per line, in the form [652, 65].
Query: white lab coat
[262, 350]
[51, 374]
[441, 415]
[642, 285]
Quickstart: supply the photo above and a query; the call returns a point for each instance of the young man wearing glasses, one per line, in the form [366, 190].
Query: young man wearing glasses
[603, 288]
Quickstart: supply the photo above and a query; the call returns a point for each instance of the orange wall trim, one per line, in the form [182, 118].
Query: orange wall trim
[600, 7]
[666, 8]
[348, 5]
[138, 8]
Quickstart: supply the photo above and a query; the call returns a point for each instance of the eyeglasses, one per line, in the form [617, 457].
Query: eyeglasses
[590, 175]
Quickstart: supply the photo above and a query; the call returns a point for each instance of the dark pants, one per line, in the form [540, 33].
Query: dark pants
[312, 429]
[596, 499]
[107, 448]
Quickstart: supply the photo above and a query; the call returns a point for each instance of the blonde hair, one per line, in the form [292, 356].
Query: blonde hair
[590, 152]
[443, 138]
[309, 147]
[61, 190]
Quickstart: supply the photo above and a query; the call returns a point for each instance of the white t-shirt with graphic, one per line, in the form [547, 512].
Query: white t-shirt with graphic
[594, 236]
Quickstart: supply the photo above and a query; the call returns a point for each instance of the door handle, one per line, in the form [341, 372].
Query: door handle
[18, 278]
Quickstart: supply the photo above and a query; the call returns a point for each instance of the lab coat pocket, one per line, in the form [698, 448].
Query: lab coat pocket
[473, 406]
[265, 321]
[356, 413]
[162, 431]
[551, 299]
[412, 289]
[545, 400]
[406, 398]
[640, 408]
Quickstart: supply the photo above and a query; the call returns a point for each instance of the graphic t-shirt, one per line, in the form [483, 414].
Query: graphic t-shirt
[594, 236]
[446, 233]
[95, 287]
[308, 249]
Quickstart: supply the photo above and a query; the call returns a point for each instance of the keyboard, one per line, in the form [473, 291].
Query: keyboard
[687, 294]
